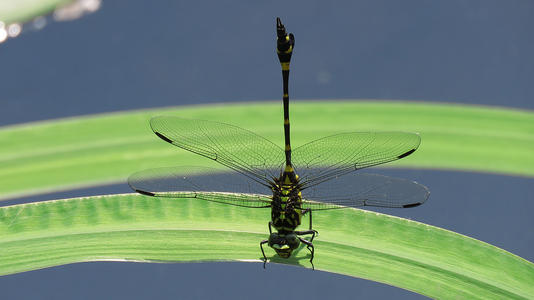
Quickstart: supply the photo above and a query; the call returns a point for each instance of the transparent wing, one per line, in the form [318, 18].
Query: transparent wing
[335, 155]
[360, 189]
[193, 182]
[234, 147]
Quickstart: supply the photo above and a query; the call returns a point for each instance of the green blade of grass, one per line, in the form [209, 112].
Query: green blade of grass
[106, 148]
[399, 252]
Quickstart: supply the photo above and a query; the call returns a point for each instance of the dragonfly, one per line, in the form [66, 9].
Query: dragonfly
[316, 176]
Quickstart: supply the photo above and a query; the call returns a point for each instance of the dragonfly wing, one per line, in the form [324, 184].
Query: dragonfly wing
[192, 182]
[335, 155]
[360, 189]
[232, 146]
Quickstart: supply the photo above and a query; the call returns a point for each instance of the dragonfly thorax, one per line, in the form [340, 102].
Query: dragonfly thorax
[286, 211]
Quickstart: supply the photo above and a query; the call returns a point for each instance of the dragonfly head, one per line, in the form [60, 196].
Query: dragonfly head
[284, 244]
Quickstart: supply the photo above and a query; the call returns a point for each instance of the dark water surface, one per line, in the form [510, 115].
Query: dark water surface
[136, 54]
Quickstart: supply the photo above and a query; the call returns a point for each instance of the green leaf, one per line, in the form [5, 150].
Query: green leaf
[399, 252]
[104, 149]
[12, 11]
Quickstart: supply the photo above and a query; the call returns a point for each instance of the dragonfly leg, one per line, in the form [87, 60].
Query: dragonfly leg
[309, 245]
[263, 252]
[312, 232]
[270, 225]
[305, 211]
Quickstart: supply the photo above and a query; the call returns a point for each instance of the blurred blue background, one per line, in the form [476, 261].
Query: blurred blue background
[139, 54]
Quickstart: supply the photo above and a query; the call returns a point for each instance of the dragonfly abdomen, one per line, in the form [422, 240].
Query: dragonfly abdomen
[284, 48]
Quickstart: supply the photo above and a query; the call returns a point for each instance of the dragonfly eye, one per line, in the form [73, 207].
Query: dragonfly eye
[284, 244]
[292, 240]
